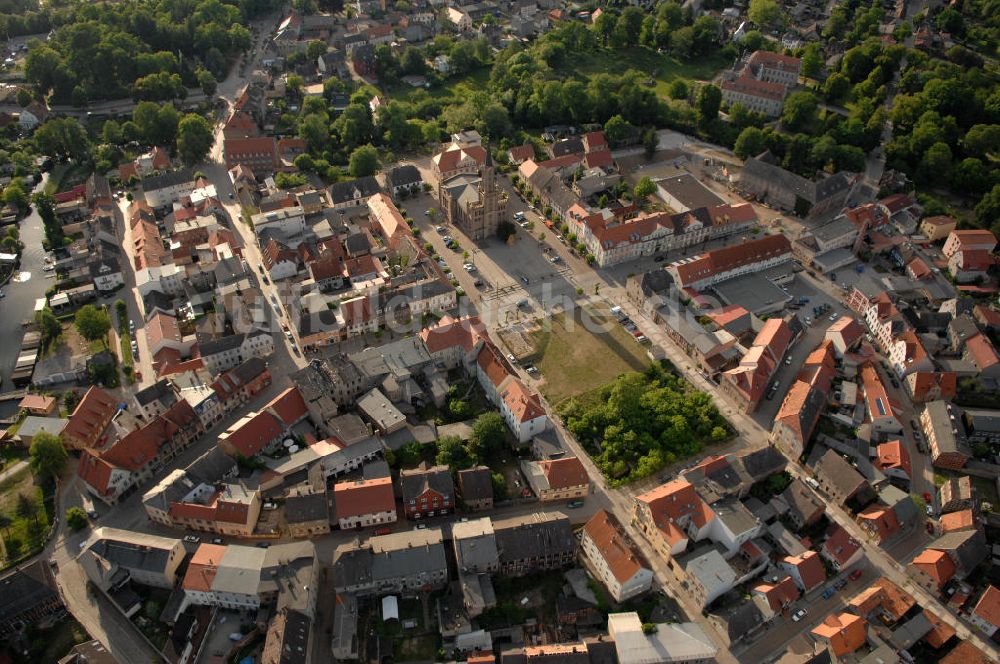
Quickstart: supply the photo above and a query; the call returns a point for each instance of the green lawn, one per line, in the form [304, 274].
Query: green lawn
[455, 87]
[661, 67]
[565, 356]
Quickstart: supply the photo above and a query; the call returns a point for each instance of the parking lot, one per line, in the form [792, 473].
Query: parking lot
[510, 273]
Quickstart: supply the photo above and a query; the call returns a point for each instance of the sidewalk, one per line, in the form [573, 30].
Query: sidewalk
[13, 470]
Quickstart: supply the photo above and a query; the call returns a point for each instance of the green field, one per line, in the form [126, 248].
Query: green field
[573, 360]
[662, 68]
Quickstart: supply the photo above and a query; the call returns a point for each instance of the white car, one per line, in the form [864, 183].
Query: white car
[48, 268]
[469, 267]
[799, 615]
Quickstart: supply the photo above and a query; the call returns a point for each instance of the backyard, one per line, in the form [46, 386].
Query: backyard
[564, 354]
[26, 512]
[49, 645]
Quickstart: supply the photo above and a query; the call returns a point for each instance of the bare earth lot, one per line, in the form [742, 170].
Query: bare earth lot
[574, 360]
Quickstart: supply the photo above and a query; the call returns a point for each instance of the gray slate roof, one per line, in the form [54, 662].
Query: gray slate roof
[533, 535]
[416, 481]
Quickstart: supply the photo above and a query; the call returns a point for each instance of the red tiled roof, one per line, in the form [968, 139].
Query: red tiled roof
[988, 607]
[356, 312]
[941, 632]
[727, 314]
[810, 568]
[845, 632]
[448, 160]
[961, 520]
[354, 499]
[94, 471]
[881, 519]
[936, 564]
[91, 416]
[522, 153]
[564, 473]
[289, 406]
[676, 501]
[255, 434]
[595, 139]
[982, 352]
[598, 159]
[748, 85]
[728, 258]
[772, 59]
[203, 567]
[923, 382]
[840, 545]
[966, 653]
[893, 454]
[494, 364]
[361, 265]
[779, 595]
[237, 149]
[896, 203]
[609, 539]
[37, 402]
[524, 404]
[449, 332]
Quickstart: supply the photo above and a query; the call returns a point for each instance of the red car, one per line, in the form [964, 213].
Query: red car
[927, 497]
[385, 530]
[855, 575]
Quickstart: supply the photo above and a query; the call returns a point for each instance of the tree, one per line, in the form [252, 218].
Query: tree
[643, 189]
[47, 455]
[488, 434]
[459, 409]
[14, 194]
[63, 138]
[617, 129]
[206, 81]
[650, 141]
[315, 49]
[764, 13]
[812, 60]
[157, 123]
[194, 138]
[678, 89]
[750, 143]
[49, 325]
[800, 111]
[92, 323]
[364, 161]
[499, 483]
[452, 453]
[708, 104]
[76, 518]
[988, 209]
[315, 130]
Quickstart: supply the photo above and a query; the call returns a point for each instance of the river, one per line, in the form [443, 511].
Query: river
[21, 294]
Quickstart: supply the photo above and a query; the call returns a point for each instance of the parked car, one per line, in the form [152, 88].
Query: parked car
[799, 615]
[840, 583]
[574, 504]
[855, 575]
[192, 539]
[384, 530]
[828, 593]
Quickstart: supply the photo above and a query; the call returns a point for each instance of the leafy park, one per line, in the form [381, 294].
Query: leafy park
[641, 422]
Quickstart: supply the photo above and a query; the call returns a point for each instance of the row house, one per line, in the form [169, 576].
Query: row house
[231, 351]
[262, 430]
[427, 492]
[89, 420]
[411, 561]
[364, 503]
[748, 382]
[111, 473]
[718, 265]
